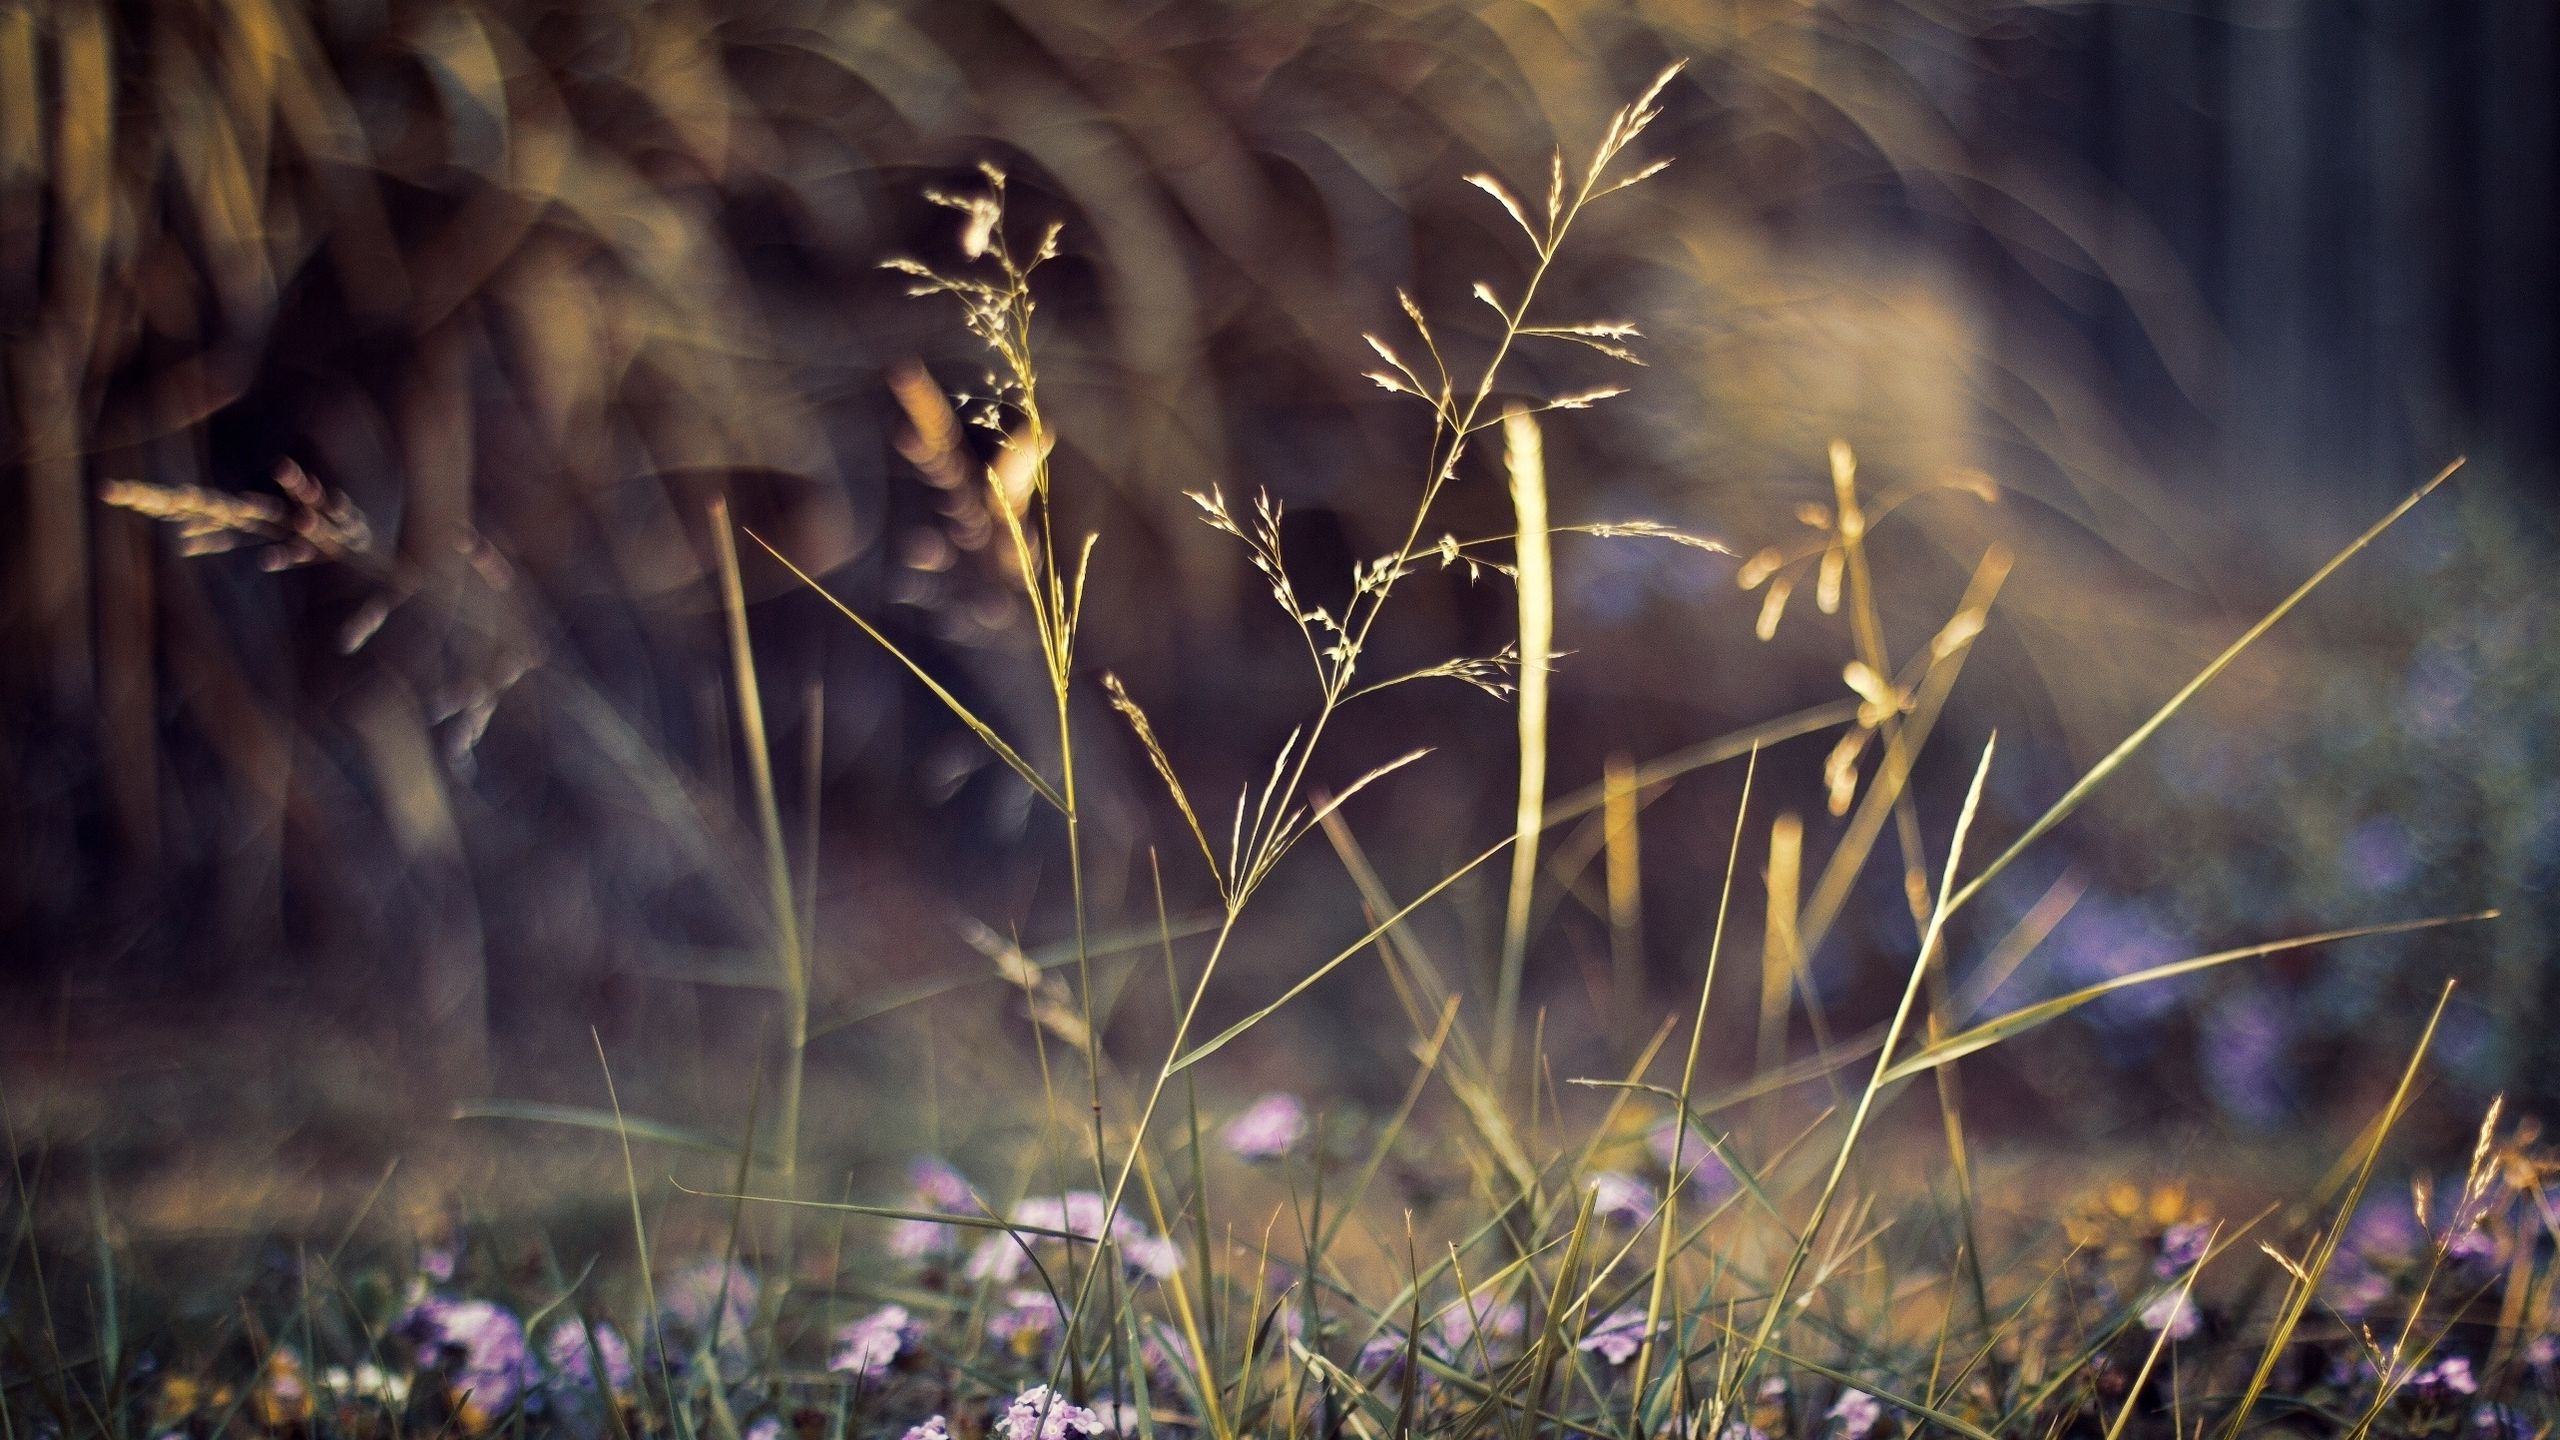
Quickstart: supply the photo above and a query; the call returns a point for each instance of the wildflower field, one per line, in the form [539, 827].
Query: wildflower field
[805, 720]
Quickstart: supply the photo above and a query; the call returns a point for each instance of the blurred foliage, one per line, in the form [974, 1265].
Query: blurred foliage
[461, 315]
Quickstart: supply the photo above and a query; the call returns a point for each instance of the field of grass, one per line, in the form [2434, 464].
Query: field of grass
[1126, 1232]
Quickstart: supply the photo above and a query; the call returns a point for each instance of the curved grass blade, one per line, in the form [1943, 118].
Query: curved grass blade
[581, 1117]
[890, 1212]
[2082, 788]
[966, 716]
[2016, 1022]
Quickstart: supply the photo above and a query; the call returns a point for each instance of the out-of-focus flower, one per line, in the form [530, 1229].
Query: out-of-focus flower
[2380, 856]
[1769, 1410]
[870, 1345]
[1617, 1338]
[2173, 1311]
[1155, 1255]
[2475, 1246]
[1621, 1199]
[1040, 1413]
[1025, 1321]
[182, 1396]
[2385, 1231]
[573, 1350]
[2242, 1046]
[765, 1427]
[2181, 1246]
[1478, 1316]
[934, 1185]
[367, 1381]
[2542, 1357]
[282, 1397]
[1856, 1414]
[2107, 938]
[2354, 1288]
[1382, 1356]
[480, 1347]
[710, 1303]
[721, 1291]
[1707, 1172]
[2501, 1422]
[1165, 1353]
[2447, 1378]
[933, 1428]
[1001, 1257]
[1268, 1129]
[438, 1261]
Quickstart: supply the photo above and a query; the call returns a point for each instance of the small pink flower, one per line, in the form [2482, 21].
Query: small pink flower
[1040, 1413]
[1617, 1338]
[869, 1346]
[1268, 1129]
[1621, 1199]
[2173, 1312]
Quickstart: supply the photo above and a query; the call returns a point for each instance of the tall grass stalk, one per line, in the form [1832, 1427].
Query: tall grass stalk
[1524, 459]
[790, 952]
[1669, 1222]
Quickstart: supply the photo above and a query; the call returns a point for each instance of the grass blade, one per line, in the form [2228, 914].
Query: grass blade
[2306, 1286]
[610, 1122]
[2098, 774]
[1524, 456]
[951, 702]
[2016, 1022]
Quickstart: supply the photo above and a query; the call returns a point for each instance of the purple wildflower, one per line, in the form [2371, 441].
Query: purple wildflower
[1698, 1160]
[938, 1187]
[1001, 1256]
[2385, 1231]
[1478, 1315]
[2353, 1287]
[2542, 1357]
[2379, 855]
[719, 1290]
[1622, 1199]
[2474, 1246]
[2242, 1046]
[2173, 1311]
[1617, 1338]
[2501, 1422]
[870, 1345]
[1042, 1414]
[1154, 1255]
[1164, 1352]
[481, 1348]
[1382, 1355]
[438, 1261]
[1268, 1129]
[573, 1348]
[2107, 939]
[766, 1427]
[1025, 1321]
[2181, 1246]
[710, 1303]
[933, 1428]
[1858, 1413]
[2447, 1378]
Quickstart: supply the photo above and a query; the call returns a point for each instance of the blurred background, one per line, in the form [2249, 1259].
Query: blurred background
[312, 838]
